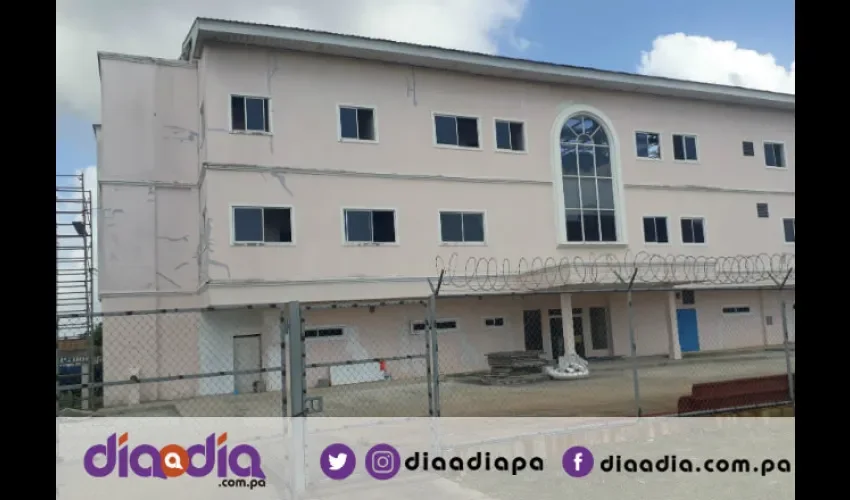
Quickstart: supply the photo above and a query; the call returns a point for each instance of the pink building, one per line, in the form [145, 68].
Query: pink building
[271, 164]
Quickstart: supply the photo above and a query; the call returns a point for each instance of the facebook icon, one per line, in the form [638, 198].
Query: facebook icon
[577, 461]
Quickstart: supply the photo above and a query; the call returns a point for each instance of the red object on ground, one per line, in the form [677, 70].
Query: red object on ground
[732, 393]
[383, 365]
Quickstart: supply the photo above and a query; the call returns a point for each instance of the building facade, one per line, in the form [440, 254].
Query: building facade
[271, 164]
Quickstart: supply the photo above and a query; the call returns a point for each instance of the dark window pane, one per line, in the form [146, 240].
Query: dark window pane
[749, 149]
[603, 162]
[605, 188]
[586, 161]
[689, 297]
[642, 143]
[248, 224]
[473, 227]
[678, 147]
[691, 148]
[762, 210]
[653, 146]
[517, 137]
[600, 137]
[649, 234]
[255, 113]
[780, 155]
[383, 226]
[348, 123]
[769, 157]
[571, 196]
[588, 193]
[467, 132]
[661, 230]
[790, 230]
[608, 223]
[699, 231]
[446, 130]
[687, 231]
[591, 225]
[358, 225]
[574, 226]
[237, 112]
[503, 135]
[567, 134]
[277, 225]
[499, 321]
[451, 227]
[569, 160]
[366, 124]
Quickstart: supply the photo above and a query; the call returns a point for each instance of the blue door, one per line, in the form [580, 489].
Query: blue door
[688, 332]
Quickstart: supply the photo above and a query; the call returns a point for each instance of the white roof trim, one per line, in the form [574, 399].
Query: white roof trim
[210, 30]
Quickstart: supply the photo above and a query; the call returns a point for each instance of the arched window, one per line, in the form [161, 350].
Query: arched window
[588, 181]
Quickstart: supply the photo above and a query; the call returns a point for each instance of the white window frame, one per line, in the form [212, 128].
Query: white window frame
[326, 327]
[267, 102]
[569, 109]
[435, 114]
[784, 154]
[660, 145]
[493, 318]
[483, 215]
[666, 222]
[345, 241]
[439, 330]
[673, 147]
[339, 136]
[233, 242]
[509, 121]
[704, 230]
[782, 222]
[748, 312]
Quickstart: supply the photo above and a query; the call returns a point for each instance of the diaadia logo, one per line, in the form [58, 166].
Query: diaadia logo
[172, 460]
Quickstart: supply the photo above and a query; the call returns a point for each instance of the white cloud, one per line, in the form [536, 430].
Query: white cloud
[703, 59]
[156, 28]
[69, 290]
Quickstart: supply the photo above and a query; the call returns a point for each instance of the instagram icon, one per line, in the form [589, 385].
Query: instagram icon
[383, 462]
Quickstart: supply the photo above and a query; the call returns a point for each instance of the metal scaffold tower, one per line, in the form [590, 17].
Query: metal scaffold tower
[74, 270]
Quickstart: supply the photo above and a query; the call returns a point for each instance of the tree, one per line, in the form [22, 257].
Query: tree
[97, 332]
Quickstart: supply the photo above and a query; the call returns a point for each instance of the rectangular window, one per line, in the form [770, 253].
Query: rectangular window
[420, 327]
[323, 332]
[370, 226]
[685, 147]
[774, 154]
[494, 322]
[249, 114]
[689, 298]
[762, 211]
[460, 131]
[736, 310]
[262, 225]
[655, 230]
[749, 148]
[462, 227]
[790, 228]
[510, 136]
[648, 145]
[357, 124]
[693, 230]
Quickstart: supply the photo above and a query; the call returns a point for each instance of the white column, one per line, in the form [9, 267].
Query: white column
[567, 315]
[763, 318]
[673, 327]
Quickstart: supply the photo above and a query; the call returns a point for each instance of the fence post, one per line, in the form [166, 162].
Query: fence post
[293, 393]
[433, 348]
[632, 340]
[783, 308]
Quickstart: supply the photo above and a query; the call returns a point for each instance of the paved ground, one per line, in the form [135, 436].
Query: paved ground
[609, 391]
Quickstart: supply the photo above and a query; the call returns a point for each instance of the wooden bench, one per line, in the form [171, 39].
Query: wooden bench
[735, 393]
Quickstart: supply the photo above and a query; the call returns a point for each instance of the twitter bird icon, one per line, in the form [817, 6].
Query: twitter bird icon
[338, 461]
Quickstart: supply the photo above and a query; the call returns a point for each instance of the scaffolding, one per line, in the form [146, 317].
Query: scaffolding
[75, 300]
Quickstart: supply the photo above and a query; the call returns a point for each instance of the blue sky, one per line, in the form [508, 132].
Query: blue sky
[606, 34]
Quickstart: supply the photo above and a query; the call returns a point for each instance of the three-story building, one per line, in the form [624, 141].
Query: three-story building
[270, 164]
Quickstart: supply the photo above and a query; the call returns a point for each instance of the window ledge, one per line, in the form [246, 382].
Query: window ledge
[367, 244]
[457, 148]
[687, 162]
[250, 132]
[511, 151]
[593, 244]
[348, 140]
[652, 160]
[462, 244]
[776, 168]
